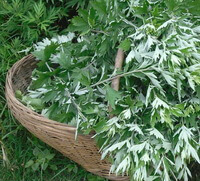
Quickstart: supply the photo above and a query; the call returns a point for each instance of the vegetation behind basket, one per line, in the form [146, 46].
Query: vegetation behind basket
[154, 133]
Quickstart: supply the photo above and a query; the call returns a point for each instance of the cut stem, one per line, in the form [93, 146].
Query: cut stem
[118, 66]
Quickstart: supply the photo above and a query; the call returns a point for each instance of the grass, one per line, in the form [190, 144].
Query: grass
[17, 146]
[20, 150]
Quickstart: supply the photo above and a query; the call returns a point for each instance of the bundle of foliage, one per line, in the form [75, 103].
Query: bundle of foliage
[154, 133]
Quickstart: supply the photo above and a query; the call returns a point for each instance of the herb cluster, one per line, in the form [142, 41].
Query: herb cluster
[154, 133]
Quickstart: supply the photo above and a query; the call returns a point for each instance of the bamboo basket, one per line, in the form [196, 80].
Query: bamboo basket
[58, 135]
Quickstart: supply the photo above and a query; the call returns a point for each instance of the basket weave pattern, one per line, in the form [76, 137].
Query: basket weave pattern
[58, 135]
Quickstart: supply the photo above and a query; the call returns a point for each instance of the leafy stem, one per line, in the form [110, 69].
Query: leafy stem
[116, 76]
[100, 31]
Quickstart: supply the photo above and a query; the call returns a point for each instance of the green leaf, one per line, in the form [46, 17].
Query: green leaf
[34, 102]
[124, 165]
[153, 79]
[101, 126]
[100, 6]
[156, 133]
[168, 77]
[194, 154]
[36, 151]
[172, 4]
[112, 95]
[159, 103]
[50, 156]
[64, 61]
[125, 45]
[50, 95]
[148, 95]
[44, 166]
[91, 18]
[91, 110]
[39, 54]
[29, 163]
[35, 166]
[178, 163]
[78, 21]
[84, 14]
[42, 78]
[79, 24]
[44, 54]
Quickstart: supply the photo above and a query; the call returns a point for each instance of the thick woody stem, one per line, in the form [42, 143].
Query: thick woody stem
[118, 65]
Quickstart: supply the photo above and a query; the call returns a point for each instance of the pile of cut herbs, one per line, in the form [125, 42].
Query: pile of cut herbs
[150, 128]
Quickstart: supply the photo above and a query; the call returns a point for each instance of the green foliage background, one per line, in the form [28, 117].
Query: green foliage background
[22, 23]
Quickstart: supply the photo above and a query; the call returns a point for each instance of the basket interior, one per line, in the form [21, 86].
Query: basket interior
[22, 76]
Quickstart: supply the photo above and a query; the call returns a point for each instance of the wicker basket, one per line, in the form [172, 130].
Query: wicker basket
[58, 135]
